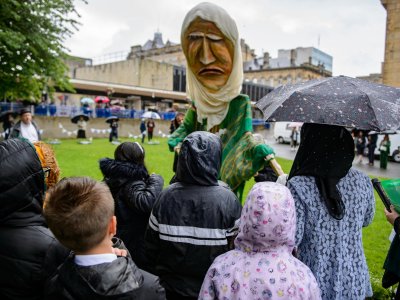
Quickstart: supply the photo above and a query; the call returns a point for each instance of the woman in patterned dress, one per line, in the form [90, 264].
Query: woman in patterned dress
[333, 203]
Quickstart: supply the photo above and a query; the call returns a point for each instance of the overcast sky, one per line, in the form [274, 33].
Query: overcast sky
[352, 31]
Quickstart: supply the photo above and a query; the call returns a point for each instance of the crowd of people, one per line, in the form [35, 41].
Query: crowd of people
[127, 237]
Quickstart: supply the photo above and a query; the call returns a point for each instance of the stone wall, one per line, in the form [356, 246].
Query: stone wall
[136, 72]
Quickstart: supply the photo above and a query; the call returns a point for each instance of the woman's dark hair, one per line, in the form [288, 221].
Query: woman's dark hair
[130, 152]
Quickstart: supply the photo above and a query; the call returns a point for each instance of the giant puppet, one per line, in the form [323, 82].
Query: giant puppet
[210, 42]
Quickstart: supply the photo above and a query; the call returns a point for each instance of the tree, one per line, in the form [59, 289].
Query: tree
[32, 53]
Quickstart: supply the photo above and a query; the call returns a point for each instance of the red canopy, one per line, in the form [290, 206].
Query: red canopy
[101, 99]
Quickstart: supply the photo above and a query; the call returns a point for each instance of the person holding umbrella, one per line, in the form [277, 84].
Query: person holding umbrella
[333, 203]
[80, 120]
[81, 128]
[211, 45]
[113, 121]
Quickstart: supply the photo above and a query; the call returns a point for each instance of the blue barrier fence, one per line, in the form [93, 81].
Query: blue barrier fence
[69, 111]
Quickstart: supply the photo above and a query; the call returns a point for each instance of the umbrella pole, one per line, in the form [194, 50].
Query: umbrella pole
[274, 165]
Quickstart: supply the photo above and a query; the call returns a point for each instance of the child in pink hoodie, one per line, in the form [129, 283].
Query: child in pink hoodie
[262, 265]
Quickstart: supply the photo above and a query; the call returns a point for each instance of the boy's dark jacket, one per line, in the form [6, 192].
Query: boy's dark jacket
[29, 253]
[134, 193]
[196, 200]
[120, 279]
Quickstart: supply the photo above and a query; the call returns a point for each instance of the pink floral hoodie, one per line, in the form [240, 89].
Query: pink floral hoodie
[262, 265]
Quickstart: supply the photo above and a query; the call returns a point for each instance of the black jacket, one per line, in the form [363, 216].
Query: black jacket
[120, 279]
[134, 192]
[29, 253]
[194, 219]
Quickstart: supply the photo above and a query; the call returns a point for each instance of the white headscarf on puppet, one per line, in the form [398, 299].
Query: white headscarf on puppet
[214, 106]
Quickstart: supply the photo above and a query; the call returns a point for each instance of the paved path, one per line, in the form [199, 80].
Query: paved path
[392, 171]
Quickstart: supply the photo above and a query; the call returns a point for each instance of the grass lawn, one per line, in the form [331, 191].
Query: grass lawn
[82, 160]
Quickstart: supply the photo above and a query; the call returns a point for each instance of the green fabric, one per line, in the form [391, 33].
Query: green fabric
[384, 156]
[242, 156]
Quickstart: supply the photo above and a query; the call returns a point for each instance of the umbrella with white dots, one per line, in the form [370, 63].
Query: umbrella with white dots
[339, 100]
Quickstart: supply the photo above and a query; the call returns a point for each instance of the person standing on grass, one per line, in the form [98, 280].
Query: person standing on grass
[143, 130]
[150, 129]
[333, 204]
[114, 130]
[81, 134]
[134, 192]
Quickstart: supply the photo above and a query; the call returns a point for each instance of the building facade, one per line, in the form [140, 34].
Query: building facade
[391, 64]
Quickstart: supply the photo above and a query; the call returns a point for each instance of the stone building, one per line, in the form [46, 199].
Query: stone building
[291, 66]
[162, 66]
[391, 64]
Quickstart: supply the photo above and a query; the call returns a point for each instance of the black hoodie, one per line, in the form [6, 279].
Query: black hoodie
[193, 219]
[29, 253]
[120, 279]
[134, 193]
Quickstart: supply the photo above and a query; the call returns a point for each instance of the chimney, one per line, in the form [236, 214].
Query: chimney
[266, 60]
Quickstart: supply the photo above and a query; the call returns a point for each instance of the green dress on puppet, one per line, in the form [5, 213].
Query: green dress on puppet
[242, 156]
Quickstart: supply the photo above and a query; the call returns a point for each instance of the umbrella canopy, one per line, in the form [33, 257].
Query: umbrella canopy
[111, 119]
[384, 132]
[336, 100]
[4, 115]
[101, 99]
[87, 100]
[76, 118]
[151, 115]
[295, 124]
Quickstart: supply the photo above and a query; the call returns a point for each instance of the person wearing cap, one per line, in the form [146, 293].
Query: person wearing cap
[26, 127]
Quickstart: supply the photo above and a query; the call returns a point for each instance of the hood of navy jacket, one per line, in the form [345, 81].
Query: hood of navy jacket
[22, 183]
[199, 159]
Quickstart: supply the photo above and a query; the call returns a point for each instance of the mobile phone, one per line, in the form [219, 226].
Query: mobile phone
[382, 194]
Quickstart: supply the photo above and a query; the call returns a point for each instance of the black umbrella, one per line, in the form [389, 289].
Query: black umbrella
[111, 119]
[336, 100]
[4, 115]
[76, 118]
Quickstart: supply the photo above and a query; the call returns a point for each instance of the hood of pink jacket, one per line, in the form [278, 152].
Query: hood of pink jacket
[268, 220]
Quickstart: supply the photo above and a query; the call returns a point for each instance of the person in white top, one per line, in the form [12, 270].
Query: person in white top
[26, 127]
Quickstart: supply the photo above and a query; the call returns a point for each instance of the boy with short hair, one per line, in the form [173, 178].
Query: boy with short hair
[80, 213]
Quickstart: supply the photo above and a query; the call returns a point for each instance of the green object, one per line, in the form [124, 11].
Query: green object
[242, 156]
[392, 189]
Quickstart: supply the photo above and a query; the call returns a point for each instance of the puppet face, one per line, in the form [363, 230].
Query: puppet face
[209, 54]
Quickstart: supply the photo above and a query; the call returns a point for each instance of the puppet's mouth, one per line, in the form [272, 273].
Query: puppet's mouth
[211, 71]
